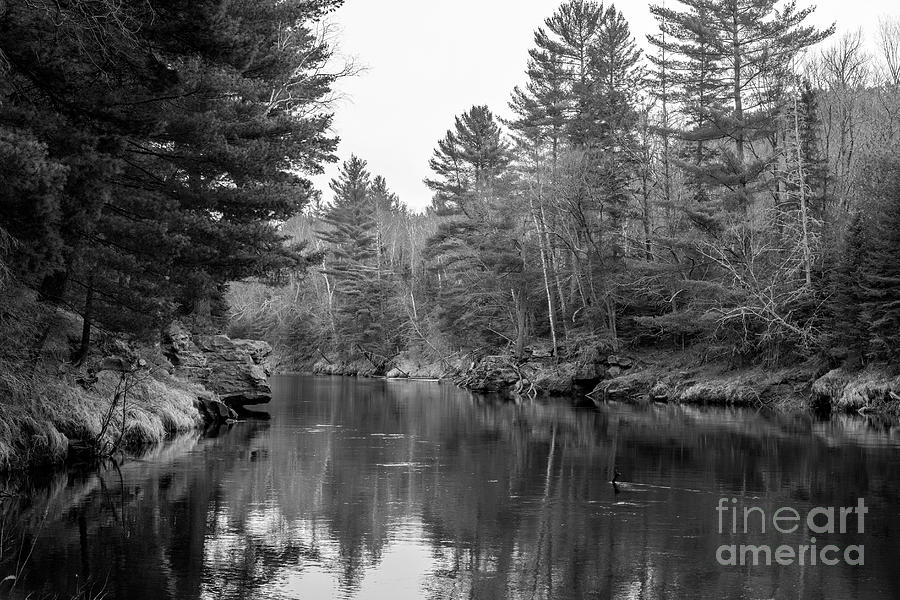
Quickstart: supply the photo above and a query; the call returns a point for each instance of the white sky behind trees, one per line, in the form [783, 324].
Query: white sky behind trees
[428, 60]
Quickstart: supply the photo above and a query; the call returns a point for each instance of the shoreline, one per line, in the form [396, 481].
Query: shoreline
[660, 376]
[63, 421]
[126, 397]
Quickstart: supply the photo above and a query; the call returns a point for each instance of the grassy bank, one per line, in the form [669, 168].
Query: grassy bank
[52, 410]
[45, 419]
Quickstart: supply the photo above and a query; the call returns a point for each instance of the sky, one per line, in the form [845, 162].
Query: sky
[425, 61]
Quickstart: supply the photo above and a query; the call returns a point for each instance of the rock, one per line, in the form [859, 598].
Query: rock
[224, 348]
[238, 383]
[614, 372]
[612, 360]
[158, 360]
[236, 370]
[540, 351]
[588, 374]
[193, 374]
[224, 411]
[491, 374]
[180, 349]
[625, 362]
[625, 387]
[213, 409]
[396, 373]
[556, 380]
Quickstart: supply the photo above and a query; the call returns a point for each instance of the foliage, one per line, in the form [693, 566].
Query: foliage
[152, 148]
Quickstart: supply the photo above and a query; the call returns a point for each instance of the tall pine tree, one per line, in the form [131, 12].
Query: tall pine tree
[176, 135]
[475, 254]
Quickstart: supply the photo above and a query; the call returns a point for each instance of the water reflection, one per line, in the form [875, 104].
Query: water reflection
[371, 489]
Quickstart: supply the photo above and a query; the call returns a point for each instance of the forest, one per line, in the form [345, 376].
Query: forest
[735, 189]
[732, 189]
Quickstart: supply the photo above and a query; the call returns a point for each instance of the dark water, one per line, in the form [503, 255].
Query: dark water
[372, 489]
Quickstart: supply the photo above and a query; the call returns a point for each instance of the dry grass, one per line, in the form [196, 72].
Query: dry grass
[876, 388]
[27, 435]
[42, 406]
[40, 416]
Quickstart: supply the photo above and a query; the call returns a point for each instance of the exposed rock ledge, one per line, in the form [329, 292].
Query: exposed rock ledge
[683, 379]
[235, 370]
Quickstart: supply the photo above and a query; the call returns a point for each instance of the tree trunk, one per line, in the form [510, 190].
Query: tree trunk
[521, 323]
[740, 133]
[807, 258]
[87, 316]
[542, 243]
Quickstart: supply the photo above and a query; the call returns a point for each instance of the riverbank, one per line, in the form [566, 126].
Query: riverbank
[124, 396]
[666, 376]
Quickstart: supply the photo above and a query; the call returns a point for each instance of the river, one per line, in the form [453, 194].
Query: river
[389, 490]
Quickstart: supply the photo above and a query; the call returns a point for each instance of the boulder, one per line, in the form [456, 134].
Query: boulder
[589, 374]
[555, 380]
[625, 387]
[236, 370]
[213, 409]
[491, 374]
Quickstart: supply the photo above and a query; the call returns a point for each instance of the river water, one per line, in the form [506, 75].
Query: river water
[392, 490]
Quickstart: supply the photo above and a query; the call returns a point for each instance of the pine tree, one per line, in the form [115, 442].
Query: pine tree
[692, 73]
[845, 301]
[349, 227]
[475, 254]
[183, 131]
[880, 280]
[566, 45]
[731, 51]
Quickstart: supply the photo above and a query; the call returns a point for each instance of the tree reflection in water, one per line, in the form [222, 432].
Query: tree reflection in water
[372, 489]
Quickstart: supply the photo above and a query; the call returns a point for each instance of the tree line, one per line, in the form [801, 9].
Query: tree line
[736, 188]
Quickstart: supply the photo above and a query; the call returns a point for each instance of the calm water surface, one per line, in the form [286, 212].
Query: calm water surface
[392, 490]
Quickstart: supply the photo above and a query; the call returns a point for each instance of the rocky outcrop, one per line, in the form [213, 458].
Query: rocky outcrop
[538, 373]
[235, 370]
[491, 374]
[214, 410]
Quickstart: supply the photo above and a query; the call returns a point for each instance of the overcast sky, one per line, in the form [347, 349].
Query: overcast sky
[427, 61]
